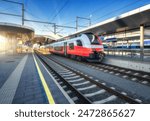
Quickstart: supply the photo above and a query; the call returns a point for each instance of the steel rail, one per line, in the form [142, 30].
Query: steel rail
[82, 98]
[114, 92]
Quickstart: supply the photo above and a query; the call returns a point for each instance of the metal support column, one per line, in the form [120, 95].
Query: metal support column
[76, 23]
[54, 28]
[141, 42]
[22, 14]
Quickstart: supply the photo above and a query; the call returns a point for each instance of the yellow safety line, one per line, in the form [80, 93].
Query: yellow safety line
[47, 91]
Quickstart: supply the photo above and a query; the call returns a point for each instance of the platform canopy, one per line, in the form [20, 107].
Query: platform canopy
[15, 28]
[12, 35]
[127, 21]
[9, 29]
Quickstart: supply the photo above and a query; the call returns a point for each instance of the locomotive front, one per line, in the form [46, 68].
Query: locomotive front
[97, 49]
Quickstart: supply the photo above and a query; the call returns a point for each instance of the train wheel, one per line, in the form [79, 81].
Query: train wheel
[101, 57]
[73, 57]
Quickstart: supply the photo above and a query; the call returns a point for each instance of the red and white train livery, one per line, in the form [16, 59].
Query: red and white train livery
[85, 46]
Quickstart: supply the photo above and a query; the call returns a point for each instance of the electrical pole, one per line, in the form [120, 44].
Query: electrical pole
[77, 18]
[77, 23]
[22, 14]
[90, 22]
[54, 28]
[18, 3]
[23, 17]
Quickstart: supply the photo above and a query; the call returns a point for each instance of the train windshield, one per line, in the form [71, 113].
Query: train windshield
[93, 39]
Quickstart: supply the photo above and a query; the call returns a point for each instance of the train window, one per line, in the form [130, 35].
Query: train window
[71, 46]
[58, 48]
[79, 43]
[93, 39]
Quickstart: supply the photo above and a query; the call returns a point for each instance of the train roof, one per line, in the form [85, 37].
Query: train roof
[70, 39]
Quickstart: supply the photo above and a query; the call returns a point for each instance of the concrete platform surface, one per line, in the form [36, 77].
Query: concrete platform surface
[20, 81]
[128, 63]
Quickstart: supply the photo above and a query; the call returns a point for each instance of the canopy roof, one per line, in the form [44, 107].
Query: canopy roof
[127, 21]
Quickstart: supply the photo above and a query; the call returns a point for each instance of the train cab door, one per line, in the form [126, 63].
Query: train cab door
[65, 48]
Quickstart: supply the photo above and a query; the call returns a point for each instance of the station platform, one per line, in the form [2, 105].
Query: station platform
[128, 62]
[25, 80]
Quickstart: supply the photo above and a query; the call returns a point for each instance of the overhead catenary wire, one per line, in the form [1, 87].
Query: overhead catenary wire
[104, 6]
[46, 27]
[54, 16]
[10, 1]
[8, 8]
[59, 11]
[69, 22]
[96, 11]
[116, 10]
[91, 13]
[4, 8]
[34, 16]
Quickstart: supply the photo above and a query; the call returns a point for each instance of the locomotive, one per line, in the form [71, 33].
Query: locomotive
[85, 46]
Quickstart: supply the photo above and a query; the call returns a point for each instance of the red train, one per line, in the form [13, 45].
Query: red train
[85, 46]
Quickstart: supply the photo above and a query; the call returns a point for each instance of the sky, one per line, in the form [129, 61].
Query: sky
[64, 12]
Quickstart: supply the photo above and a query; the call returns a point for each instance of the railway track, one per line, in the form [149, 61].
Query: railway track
[84, 89]
[133, 75]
